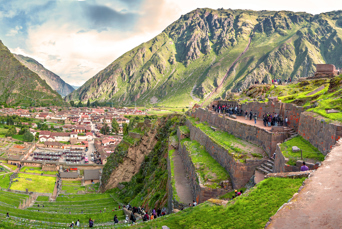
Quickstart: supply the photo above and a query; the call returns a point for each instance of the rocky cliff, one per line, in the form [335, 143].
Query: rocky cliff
[53, 80]
[20, 86]
[206, 53]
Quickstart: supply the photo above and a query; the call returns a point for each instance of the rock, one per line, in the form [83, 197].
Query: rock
[121, 186]
[332, 111]
[175, 210]
[233, 116]
[295, 149]
[165, 227]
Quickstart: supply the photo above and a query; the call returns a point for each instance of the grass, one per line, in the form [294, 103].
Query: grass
[251, 210]
[37, 170]
[5, 180]
[173, 182]
[230, 195]
[309, 151]
[42, 198]
[228, 141]
[184, 130]
[70, 182]
[210, 172]
[86, 197]
[3, 132]
[34, 183]
[18, 137]
[10, 198]
[12, 167]
[3, 170]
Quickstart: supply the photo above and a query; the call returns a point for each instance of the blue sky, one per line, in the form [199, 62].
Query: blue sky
[76, 39]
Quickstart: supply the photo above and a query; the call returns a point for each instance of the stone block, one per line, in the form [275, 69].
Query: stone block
[295, 149]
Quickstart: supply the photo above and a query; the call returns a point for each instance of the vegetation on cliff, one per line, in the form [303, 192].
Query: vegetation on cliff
[21, 86]
[200, 52]
[251, 210]
[147, 188]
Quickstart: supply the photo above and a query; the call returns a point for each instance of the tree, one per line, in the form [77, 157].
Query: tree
[115, 126]
[105, 129]
[37, 136]
[72, 103]
[28, 137]
[79, 104]
[11, 131]
[88, 103]
[125, 129]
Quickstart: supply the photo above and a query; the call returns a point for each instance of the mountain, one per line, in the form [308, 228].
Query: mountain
[20, 86]
[53, 80]
[75, 87]
[206, 53]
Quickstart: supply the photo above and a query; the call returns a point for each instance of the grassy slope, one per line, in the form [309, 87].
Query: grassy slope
[34, 183]
[208, 169]
[309, 151]
[251, 210]
[36, 170]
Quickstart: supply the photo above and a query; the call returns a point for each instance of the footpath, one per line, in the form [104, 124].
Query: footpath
[182, 183]
[318, 204]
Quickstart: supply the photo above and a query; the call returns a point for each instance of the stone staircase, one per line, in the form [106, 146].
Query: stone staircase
[291, 131]
[266, 167]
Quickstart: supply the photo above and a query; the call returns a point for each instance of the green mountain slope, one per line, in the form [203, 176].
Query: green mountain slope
[208, 52]
[20, 86]
[53, 80]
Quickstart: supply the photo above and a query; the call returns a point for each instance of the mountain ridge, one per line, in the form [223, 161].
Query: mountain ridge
[52, 79]
[20, 86]
[191, 57]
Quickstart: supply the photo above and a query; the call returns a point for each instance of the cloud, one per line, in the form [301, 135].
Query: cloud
[14, 32]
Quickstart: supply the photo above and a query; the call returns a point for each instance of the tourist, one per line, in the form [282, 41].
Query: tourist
[286, 120]
[236, 192]
[246, 115]
[250, 115]
[304, 167]
[255, 118]
[194, 203]
[269, 120]
[127, 219]
[72, 224]
[116, 220]
[158, 212]
[78, 223]
[274, 156]
[91, 222]
[132, 218]
[7, 215]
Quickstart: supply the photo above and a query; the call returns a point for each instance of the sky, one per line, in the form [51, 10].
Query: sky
[78, 38]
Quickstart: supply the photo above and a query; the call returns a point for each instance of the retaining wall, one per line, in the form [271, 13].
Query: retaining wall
[240, 173]
[199, 192]
[318, 132]
[292, 111]
[261, 137]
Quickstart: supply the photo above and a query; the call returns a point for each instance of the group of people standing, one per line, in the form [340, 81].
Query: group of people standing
[273, 119]
[227, 109]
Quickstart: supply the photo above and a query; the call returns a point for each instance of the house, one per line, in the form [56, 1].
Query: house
[61, 137]
[43, 116]
[57, 145]
[44, 133]
[90, 136]
[68, 175]
[91, 176]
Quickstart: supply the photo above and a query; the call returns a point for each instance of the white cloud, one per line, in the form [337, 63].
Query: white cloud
[14, 31]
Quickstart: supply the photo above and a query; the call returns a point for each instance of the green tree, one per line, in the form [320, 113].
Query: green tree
[28, 137]
[79, 104]
[23, 130]
[88, 103]
[37, 136]
[125, 129]
[72, 103]
[105, 129]
[11, 131]
[115, 126]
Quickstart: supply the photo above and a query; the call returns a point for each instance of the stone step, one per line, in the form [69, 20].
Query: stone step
[268, 165]
[271, 161]
[266, 168]
[262, 170]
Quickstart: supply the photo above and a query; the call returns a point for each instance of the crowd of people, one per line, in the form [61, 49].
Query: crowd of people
[144, 215]
[275, 81]
[227, 109]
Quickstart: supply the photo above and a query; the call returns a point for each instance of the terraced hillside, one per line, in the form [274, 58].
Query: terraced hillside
[217, 51]
[59, 214]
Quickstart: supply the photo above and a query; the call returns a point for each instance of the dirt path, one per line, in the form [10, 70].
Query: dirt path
[226, 75]
[182, 182]
[318, 204]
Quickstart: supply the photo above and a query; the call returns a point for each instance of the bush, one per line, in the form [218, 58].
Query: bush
[127, 199]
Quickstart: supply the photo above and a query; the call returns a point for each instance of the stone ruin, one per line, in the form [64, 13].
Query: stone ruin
[325, 71]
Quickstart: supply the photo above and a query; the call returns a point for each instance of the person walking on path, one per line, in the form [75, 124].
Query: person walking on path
[78, 223]
[286, 120]
[132, 218]
[116, 220]
[250, 115]
[91, 222]
[246, 115]
[255, 118]
[304, 167]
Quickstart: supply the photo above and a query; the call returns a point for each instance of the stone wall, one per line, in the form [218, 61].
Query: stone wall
[256, 135]
[291, 111]
[199, 192]
[279, 161]
[318, 132]
[240, 173]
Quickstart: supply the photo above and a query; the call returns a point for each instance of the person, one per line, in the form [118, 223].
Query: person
[255, 118]
[250, 115]
[152, 217]
[236, 192]
[116, 220]
[91, 222]
[274, 156]
[239, 193]
[119, 207]
[132, 218]
[286, 120]
[304, 167]
[246, 115]
[194, 203]
[269, 120]
[158, 212]
[7, 215]
[154, 212]
[78, 223]
[72, 224]
[127, 219]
